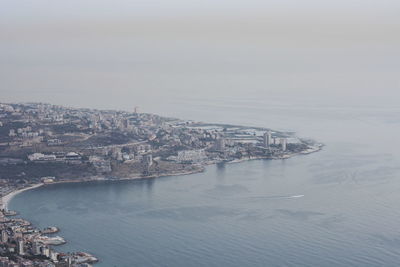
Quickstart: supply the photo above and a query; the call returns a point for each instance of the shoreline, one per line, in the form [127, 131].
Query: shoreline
[7, 198]
[99, 142]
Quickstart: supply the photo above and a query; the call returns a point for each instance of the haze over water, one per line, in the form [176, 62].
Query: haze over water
[325, 69]
[152, 54]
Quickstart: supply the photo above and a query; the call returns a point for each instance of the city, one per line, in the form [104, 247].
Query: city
[45, 144]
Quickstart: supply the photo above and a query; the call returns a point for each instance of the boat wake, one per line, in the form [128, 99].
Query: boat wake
[279, 197]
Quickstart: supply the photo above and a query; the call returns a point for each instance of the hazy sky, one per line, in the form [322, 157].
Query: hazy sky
[112, 54]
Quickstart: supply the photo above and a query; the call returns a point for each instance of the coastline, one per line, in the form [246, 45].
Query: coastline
[202, 169]
[96, 143]
[5, 200]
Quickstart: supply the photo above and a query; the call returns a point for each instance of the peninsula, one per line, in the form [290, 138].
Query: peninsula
[42, 144]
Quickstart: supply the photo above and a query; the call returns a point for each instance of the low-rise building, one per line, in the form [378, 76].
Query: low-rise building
[194, 156]
[41, 157]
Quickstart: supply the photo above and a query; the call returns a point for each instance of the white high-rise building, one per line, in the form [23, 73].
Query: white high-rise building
[54, 256]
[267, 139]
[4, 236]
[21, 247]
[283, 144]
[46, 251]
[220, 144]
[36, 247]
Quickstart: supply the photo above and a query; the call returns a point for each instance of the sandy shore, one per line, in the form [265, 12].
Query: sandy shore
[7, 198]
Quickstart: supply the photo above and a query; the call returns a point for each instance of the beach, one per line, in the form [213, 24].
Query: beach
[7, 198]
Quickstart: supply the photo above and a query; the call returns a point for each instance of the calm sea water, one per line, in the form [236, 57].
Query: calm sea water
[338, 207]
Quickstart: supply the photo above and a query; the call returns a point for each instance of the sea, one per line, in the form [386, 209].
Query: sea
[336, 207]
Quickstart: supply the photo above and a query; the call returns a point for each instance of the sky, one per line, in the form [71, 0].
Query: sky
[120, 54]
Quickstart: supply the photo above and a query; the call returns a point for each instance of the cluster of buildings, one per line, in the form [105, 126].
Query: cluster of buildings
[33, 123]
[21, 245]
[26, 136]
[106, 140]
[58, 127]
[269, 141]
[106, 144]
[194, 156]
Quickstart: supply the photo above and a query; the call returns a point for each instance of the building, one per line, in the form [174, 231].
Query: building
[147, 161]
[4, 236]
[46, 251]
[54, 256]
[12, 133]
[220, 144]
[283, 144]
[193, 156]
[54, 142]
[267, 139]
[100, 164]
[21, 245]
[73, 156]
[41, 157]
[48, 179]
[36, 248]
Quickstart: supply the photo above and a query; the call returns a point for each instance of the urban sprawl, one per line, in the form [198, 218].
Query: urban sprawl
[44, 144]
